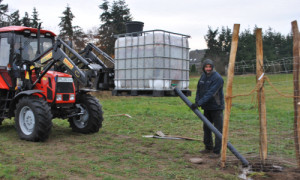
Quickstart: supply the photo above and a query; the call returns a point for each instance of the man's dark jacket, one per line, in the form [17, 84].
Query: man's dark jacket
[210, 94]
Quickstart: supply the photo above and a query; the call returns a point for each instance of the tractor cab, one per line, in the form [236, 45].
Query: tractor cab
[19, 46]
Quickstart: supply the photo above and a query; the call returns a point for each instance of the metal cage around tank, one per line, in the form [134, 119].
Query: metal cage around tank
[151, 63]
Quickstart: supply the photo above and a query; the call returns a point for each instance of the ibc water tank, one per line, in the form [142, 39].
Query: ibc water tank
[155, 61]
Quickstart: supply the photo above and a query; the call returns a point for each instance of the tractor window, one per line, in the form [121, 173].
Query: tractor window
[29, 45]
[4, 52]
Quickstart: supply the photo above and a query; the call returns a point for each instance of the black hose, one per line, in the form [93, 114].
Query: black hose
[211, 127]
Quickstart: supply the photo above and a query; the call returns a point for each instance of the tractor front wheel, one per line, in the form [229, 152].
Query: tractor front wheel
[90, 117]
[33, 119]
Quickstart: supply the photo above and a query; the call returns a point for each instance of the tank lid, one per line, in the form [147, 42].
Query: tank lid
[134, 26]
[135, 22]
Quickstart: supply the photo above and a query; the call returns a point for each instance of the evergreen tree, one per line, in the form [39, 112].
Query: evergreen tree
[35, 20]
[275, 47]
[218, 43]
[3, 8]
[71, 33]
[246, 46]
[193, 69]
[224, 40]
[26, 20]
[114, 19]
[3, 16]
[66, 28]
[218, 47]
[78, 38]
[120, 14]
[15, 16]
[286, 47]
[212, 43]
[105, 16]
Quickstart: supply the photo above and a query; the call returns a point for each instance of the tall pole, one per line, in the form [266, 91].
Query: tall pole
[228, 99]
[263, 151]
[296, 54]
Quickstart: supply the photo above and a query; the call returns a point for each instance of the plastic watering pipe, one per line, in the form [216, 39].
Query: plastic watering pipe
[211, 127]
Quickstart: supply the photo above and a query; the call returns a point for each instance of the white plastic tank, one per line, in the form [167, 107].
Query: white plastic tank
[151, 60]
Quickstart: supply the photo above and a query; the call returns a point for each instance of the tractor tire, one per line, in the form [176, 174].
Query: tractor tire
[91, 119]
[33, 119]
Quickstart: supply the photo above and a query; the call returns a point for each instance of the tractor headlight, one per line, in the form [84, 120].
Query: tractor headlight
[64, 79]
[72, 97]
[58, 97]
[27, 31]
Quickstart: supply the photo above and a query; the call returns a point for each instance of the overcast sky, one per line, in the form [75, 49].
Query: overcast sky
[191, 17]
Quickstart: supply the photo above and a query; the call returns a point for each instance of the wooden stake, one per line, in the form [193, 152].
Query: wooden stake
[228, 99]
[296, 54]
[261, 97]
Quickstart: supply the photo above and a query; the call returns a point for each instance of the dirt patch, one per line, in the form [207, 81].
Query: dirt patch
[102, 94]
[273, 170]
[270, 171]
[286, 174]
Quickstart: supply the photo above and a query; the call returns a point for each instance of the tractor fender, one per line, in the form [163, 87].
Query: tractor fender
[85, 90]
[15, 100]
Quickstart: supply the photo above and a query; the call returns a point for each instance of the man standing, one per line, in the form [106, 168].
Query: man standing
[210, 98]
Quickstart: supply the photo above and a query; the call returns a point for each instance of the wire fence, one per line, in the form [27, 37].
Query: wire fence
[244, 131]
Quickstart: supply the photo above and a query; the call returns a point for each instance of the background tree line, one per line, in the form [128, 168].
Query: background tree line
[112, 21]
[113, 17]
[275, 46]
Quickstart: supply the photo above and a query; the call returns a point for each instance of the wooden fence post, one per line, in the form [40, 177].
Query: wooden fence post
[228, 99]
[296, 61]
[263, 151]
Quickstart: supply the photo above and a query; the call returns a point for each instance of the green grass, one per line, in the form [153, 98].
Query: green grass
[118, 150]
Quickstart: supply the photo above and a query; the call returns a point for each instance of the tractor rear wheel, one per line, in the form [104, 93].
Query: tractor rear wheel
[90, 119]
[33, 119]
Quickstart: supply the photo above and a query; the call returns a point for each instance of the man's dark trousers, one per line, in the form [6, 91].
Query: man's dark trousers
[216, 118]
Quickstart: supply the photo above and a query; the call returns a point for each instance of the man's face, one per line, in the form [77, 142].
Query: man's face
[17, 46]
[208, 68]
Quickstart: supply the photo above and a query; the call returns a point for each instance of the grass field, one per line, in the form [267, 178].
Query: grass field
[118, 150]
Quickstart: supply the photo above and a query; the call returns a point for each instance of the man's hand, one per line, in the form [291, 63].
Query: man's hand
[194, 106]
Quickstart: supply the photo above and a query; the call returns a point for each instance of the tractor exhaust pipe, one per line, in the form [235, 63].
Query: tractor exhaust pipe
[211, 127]
[38, 51]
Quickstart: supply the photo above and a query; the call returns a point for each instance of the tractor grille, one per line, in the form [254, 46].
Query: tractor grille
[64, 87]
[65, 97]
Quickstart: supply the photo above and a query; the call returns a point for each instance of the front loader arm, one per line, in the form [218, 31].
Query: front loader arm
[99, 51]
[78, 74]
[89, 52]
[56, 54]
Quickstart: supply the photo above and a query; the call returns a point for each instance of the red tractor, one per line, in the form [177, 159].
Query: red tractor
[34, 93]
